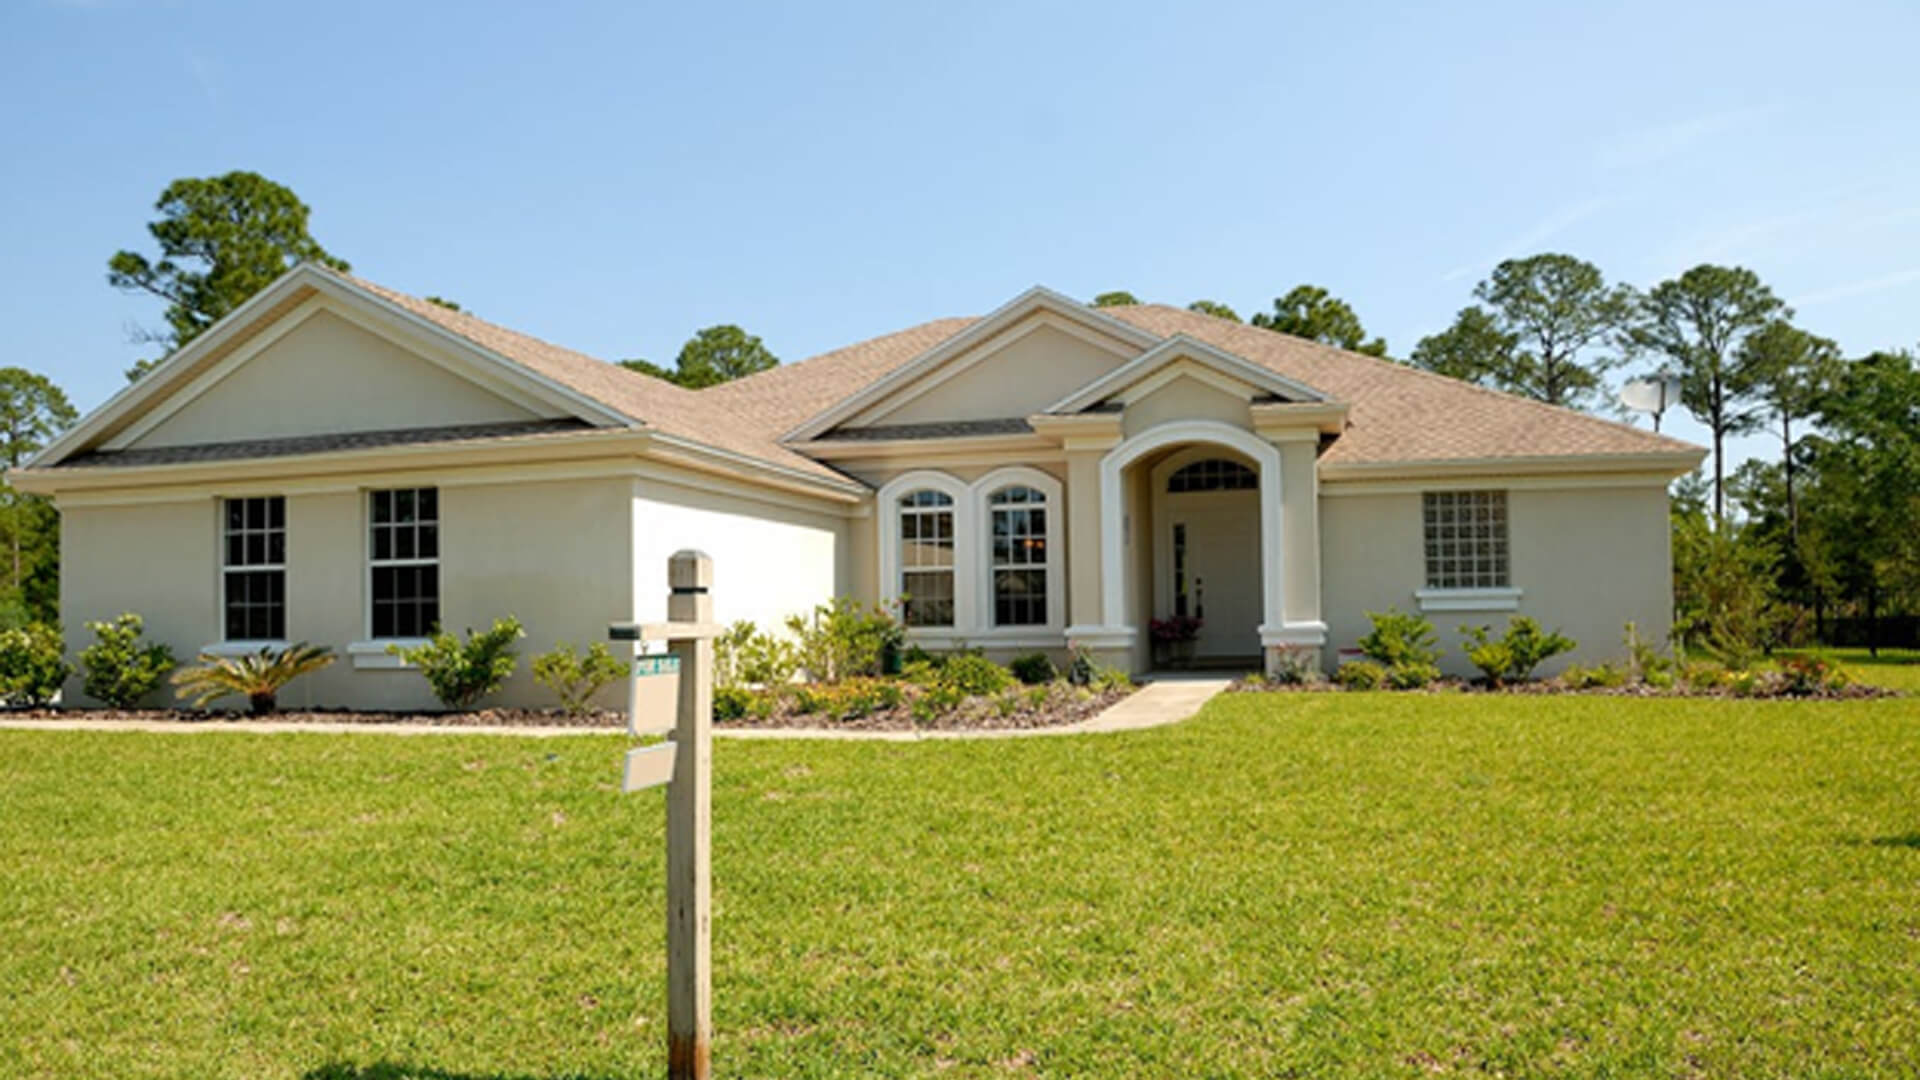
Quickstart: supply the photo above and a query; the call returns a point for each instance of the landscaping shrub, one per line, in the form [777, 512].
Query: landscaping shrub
[462, 674]
[974, 675]
[844, 638]
[745, 655]
[1295, 665]
[1517, 653]
[1644, 662]
[1598, 677]
[120, 670]
[257, 676]
[935, 702]
[731, 702]
[1399, 638]
[33, 664]
[574, 678]
[1361, 675]
[1034, 669]
[1412, 675]
[1804, 676]
[849, 699]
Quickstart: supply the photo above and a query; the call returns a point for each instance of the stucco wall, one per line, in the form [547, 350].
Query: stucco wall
[1021, 378]
[1185, 398]
[555, 554]
[1588, 561]
[328, 375]
[769, 560]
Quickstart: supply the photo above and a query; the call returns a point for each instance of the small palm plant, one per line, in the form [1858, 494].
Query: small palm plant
[257, 675]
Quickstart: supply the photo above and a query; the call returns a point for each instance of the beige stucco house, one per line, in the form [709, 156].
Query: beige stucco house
[340, 463]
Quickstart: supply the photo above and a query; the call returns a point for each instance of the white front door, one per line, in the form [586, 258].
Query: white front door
[1213, 539]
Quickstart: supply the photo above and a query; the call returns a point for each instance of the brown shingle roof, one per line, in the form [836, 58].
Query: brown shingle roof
[1398, 413]
[251, 449]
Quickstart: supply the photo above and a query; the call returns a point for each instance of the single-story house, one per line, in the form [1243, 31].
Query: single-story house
[340, 463]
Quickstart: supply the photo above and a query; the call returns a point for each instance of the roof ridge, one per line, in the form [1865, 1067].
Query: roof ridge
[1408, 368]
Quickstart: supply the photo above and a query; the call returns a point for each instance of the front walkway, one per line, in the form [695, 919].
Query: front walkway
[1163, 701]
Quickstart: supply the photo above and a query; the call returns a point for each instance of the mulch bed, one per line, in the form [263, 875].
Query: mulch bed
[976, 715]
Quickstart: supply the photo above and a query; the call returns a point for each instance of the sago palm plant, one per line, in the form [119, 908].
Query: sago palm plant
[259, 675]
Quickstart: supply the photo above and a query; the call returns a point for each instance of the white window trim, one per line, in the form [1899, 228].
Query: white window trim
[964, 545]
[226, 646]
[1505, 598]
[372, 650]
[983, 490]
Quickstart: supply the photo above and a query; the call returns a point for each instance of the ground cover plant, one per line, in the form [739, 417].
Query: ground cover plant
[1343, 885]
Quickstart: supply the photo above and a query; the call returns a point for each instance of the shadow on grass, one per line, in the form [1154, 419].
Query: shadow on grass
[393, 1070]
[1905, 840]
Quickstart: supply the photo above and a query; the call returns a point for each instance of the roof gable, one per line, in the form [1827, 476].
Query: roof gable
[1183, 356]
[951, 358]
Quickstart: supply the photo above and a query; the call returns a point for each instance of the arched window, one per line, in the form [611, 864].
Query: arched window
[1213, 474]
[1017, 561]
[926, 558]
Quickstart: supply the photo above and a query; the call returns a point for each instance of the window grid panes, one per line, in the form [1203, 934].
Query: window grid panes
[926, 558]
[1019, 556]
[1466, 539]
[254, 569]
[1213, 474]
[404, 552]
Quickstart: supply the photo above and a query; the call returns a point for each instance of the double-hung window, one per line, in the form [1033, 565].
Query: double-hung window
[1466, 539]
[404, 556]
[926, 558]
[1018, 520]
[253, 576]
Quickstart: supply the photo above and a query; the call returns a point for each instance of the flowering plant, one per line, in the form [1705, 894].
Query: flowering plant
[1174, 628]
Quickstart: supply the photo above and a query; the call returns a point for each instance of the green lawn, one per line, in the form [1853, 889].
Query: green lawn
[1311, 885]
[1895, 668]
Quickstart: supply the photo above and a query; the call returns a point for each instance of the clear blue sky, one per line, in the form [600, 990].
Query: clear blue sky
[613, 177]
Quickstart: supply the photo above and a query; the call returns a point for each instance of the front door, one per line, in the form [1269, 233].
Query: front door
[1215, 544]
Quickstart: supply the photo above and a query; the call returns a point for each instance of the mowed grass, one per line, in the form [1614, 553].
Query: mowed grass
[1897, 669]
[1288, 885]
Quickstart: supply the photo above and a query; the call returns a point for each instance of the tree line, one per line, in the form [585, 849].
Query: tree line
[1824, 538]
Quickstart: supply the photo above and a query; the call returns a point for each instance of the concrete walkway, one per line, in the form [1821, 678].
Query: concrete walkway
[1163, 701]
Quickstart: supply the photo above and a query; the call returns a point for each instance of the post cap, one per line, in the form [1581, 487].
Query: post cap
[690, 571]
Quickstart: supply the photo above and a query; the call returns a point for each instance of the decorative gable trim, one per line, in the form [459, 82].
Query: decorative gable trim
[193, 369]
[1166, 361]
[981, 332]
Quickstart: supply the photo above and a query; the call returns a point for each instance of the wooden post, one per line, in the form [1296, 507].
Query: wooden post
[690, 826]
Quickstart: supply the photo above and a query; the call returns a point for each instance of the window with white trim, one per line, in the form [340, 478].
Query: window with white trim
[253, 575]
[1213, 474]
[403, 554]
[926, 558]
[1017, 561]
[1466, 539]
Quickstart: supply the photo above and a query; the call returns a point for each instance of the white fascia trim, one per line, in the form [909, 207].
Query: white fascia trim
[1176, 348]
[1037, 298]
[1507, 599]
[745, 463]
[373, 655]
[1312, 633]
[137, 392]
[1672, 462]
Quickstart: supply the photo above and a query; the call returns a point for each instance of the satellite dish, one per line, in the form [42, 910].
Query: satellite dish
[1651, 395]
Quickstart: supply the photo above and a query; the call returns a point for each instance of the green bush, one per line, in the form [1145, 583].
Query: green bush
[1803, 676]
[33, 664]
[1598, 677]
[745, 655]
[1398, 638]
[1412, 676]
[731, 702]
[844, 639]
[1644, 662]
[258, 676]
[936, 701]
[1360, 675]
[1034, 669]
[974, 675]
[849, 699]
[462, 674]
[120, 670]
[575, 678]
[1514, 657]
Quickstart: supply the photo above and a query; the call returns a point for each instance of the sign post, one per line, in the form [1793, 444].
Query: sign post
[686, 764]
